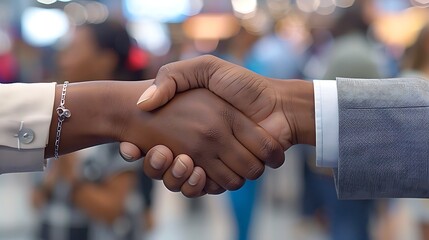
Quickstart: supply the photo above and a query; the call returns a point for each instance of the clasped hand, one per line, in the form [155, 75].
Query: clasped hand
[211, 140]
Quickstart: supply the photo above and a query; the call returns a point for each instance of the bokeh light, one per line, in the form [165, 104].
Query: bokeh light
[76, 13]
[344, 3]
[420, 3]
[161, 10]
[211, 26]
[244, 6]
[97, 12]
[308, 5]
[42, 27]
[47, 2]
[151, 35]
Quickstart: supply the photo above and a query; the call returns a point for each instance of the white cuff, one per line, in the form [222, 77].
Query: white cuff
[25, 118]
[327, 126]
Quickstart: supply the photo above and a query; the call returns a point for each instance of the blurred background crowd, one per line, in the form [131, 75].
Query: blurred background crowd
[94, 194]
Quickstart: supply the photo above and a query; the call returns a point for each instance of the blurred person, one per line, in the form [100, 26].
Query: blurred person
[343, 219]
[415, 62]
[92, 194]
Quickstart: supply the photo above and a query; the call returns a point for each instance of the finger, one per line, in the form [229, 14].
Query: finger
[212, 187]
[129, 151]
[177, 77]
[242, 162]
[178, 173]
[258, 141]
[222, 176]
[158, 159]
[194, 186]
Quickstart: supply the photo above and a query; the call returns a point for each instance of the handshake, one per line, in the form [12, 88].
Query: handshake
[205, 125]
[216, 137]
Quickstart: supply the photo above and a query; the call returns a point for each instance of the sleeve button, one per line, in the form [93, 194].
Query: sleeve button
[26, 135]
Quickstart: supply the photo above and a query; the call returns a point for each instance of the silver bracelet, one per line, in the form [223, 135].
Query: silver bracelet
[63, 114]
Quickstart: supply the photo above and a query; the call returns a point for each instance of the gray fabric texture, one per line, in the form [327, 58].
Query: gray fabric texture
[383, 138]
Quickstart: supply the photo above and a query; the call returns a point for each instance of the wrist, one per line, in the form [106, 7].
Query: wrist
[100, 112]
[297, 98]
[127, 120]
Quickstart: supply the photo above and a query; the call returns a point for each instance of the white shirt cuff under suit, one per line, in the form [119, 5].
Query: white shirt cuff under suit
[327, 123]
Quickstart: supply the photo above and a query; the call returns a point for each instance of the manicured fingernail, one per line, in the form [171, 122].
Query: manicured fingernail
[147, 94]
[194, 178]
[157, 163]
[179, 169]
[126, 156]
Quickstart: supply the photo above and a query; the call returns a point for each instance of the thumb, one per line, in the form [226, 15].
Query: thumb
[159, 93]
[177, 77]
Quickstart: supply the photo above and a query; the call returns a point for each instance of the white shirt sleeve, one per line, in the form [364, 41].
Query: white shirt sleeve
[327, 126]
[25, 118]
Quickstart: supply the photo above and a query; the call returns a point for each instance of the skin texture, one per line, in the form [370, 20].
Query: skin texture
[228, 145]
[285, 109]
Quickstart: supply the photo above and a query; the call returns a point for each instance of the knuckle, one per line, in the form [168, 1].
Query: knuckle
[268, 148]
[210, 134]
[207, 59]
[235, 183]
[164, 69]
[255, 171]
[229, 117]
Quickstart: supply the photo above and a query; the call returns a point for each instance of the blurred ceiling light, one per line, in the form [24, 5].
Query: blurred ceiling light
[76, 13]
[294, 28]
[211, 26]
[278, 8]
[97, 12]
[46, 1]
[344, 3]
[420, 3]
[307, 5]
[195, 7]
[65, 0]
[259, 24]
[244, 6]
[6, 42]
[43, 27]
[326, 7]
[400, 29]
[160, 10]
[151, 35]
[326, 10]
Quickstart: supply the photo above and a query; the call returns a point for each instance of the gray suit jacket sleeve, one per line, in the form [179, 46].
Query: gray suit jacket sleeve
[383, 138]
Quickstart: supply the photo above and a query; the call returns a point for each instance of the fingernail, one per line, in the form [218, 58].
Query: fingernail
[126, 156]
[157, 163]
[147, 94]
[179, 169]
[194, 178]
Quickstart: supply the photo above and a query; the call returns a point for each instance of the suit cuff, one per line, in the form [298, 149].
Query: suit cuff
[327, 124]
